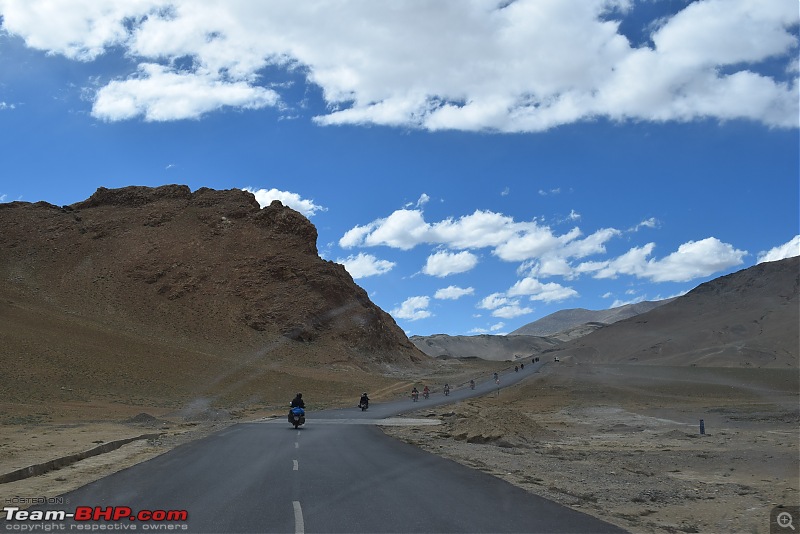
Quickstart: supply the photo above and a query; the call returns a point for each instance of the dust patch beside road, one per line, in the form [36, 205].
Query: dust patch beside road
[593, 440]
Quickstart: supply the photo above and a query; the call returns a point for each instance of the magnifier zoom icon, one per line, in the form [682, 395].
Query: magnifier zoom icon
[785, 520]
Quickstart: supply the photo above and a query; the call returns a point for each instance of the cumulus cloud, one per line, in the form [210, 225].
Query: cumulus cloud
[293, 200]
[692, 260]
[478, 65]
[511, 311]
[503, 307]
[160, 94]
[6, 105]
[453, 292]
[413, 309]
[444, 263]
[787, 250]
[535, 290]
[364, 265]
[509, 240]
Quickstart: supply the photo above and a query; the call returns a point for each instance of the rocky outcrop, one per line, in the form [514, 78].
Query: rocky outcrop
[208, 267]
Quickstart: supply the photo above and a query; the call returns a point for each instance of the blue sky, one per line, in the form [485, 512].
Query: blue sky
[476, 165]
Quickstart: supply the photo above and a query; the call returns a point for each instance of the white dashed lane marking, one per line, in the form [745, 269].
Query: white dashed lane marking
[299, 527]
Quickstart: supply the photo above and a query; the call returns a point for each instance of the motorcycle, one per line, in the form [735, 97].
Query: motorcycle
[363, 406]
[415, 396]
[472, 385]
[297, 416]
[426, 394]
[446, 392]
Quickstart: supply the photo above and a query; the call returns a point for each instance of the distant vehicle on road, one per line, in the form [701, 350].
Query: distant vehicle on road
[556, 359]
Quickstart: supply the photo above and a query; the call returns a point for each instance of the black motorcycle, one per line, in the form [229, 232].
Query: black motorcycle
[297, 416]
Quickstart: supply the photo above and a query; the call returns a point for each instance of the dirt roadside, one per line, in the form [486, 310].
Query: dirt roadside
[624, 444]
[621, 443]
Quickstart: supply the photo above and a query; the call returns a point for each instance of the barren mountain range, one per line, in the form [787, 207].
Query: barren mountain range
[164, 295]
[566, 320]
[531, 339]
[159, 292]
[748, 318]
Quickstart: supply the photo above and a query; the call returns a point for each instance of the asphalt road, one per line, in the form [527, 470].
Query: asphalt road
[327, 476]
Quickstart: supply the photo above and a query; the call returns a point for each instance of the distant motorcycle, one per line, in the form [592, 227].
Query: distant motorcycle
[447, 391]
[297, 416]
[426, 394]
[415, 396]
[364, 405]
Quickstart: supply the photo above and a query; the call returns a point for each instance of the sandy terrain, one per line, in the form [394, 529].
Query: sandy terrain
[618, 442]
[36, 433]
[622, 443]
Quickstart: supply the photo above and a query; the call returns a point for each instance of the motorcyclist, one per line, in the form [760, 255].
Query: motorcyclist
[447, 389]
[297, 402]
[472, 384]
[415, 393]
[426, 392]
[364, 402]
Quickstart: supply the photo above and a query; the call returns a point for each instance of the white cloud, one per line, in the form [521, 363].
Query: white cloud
[787, 250]
[160, 94]
[617, 303]
[293, 200]
[363, 265]
[545, 193]
[503, 307]
[494, 301]
[3, 197]
[421, 201]
[405, 229]
[511, 311]
[527, 65]
[446, 263]
[478, 330]
[692, 260]
[5, 105]
[453, 292]
[413, 309]
[647, 223]
[535, 290]
[497, 326]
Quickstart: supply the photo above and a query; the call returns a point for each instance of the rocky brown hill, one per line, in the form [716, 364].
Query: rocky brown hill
[750, 318]
[143, 289]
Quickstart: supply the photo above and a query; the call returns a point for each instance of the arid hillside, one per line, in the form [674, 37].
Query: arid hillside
[486, 347]
[572, 319]
[163, 294]
[750, 318]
